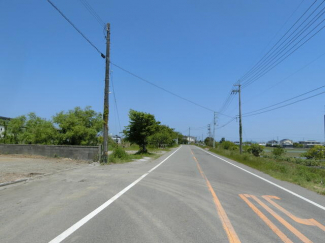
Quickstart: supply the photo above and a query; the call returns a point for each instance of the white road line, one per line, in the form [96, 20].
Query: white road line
[272, 183]
[84, 220]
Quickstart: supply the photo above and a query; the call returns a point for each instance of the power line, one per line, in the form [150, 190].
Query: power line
[287, 77]
[118, 116]
[267, 54]
[284, 105]
[285, 57]
[275, 54]
[286, 100]
[69, 21]
[227, 123]
[283, 25]
[167, 91]
[92, 12]
[270, 60]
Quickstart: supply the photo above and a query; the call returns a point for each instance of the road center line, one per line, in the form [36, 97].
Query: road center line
[229, 229]
[270, 182]
[85, 219]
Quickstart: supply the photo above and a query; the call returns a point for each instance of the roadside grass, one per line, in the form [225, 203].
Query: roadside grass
[290, 152]
[120, 156]
[312, 178]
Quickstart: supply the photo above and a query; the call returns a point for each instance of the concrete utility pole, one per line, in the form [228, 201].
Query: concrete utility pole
[214, 129]
[240, 123]
[106, 99]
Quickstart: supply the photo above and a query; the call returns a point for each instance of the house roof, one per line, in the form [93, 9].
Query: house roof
[4, 118]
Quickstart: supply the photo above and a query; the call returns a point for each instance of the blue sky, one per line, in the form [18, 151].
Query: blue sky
[196, 49]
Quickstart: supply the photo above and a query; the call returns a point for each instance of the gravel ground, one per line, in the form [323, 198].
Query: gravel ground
[15, 167]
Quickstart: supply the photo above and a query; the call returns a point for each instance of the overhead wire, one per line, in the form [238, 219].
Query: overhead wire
[267, 62]
[167, 91]
[285, 57]
[114, 95]
[282, 80]
[270, 61]
[69, 21]
[286, 100]
[283, 25]
[91, 10]
[258, 64]
[244, 115]
[131, 73]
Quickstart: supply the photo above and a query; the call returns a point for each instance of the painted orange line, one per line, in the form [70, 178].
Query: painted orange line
[281, 220]
[229, 229]
[312, 222]
[275, 229]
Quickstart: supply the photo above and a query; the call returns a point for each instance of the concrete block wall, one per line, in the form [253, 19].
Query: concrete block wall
[74, 152]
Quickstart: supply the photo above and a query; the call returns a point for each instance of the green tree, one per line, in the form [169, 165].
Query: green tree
[78, 126]
[255, 149]
[39, 131]
[278, 151]
[316, 152]
[142, 126]
[163, 135]
[15, 130]
[298, 145]
[209, 141]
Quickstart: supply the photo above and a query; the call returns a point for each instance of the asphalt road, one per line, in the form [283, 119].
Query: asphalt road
[187, 195]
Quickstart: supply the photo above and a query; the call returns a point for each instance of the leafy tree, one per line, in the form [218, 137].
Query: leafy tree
[255, 149]
[298, 145]
[209, 141]
[278, 151]
[15, 130]
[222, 140]
[39, 131]
[142, 126]
[162, 135]
[316, 152]
[78, 126]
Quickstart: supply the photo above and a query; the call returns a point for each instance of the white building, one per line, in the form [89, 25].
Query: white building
[2, 126]
[191, 139]
[286, 143]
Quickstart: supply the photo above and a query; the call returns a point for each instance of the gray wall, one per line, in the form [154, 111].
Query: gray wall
[73, 152]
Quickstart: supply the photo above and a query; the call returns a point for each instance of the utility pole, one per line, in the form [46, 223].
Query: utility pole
[240, 123]
[209, 132]
[189, 135]
[106, 99]
[214, 128]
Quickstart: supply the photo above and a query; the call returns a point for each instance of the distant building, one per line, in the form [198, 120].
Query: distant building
[190, 139]
[309, 143]
[272, 143]
[3, 120]
[262, 144]
[117, 139]
[286, 143]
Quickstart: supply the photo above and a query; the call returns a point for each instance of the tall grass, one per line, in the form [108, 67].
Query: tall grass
[309, 177]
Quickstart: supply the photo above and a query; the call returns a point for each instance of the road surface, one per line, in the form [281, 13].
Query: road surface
[187, 195]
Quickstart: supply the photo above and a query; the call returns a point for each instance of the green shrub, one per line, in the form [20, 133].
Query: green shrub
[118, 155]
[255, 149]
[316, 152]
[229, 145]
[278, 151]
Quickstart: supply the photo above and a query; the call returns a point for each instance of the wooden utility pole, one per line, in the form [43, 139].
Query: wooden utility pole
[214, 128]
[240, 123]
[106, 99]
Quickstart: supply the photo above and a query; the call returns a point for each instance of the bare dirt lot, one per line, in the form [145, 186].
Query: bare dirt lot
[16, 167]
